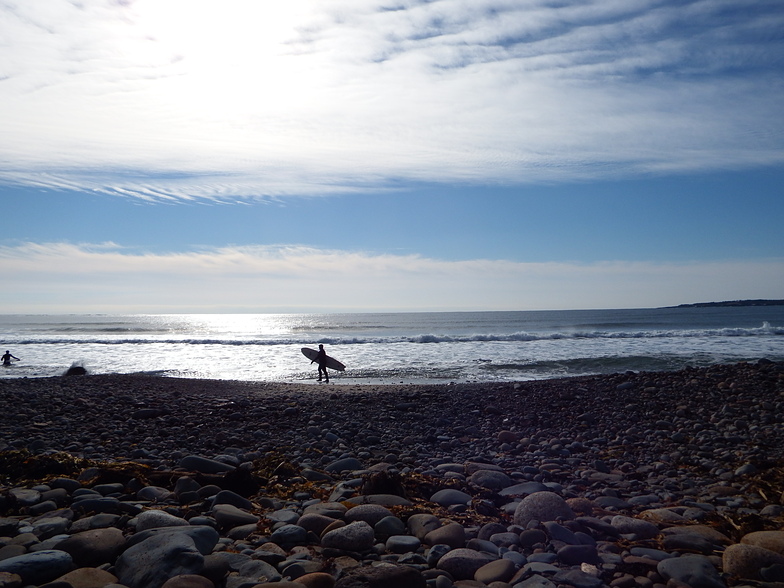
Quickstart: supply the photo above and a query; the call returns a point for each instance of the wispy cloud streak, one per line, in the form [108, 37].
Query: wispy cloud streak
[198, 99]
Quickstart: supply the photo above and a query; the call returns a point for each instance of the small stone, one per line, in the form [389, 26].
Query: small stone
[452, 534]
[637, 529]
[450, 496]
[385, 576]
[356, 536]
[402, 544]
[150, 519]
[188, 581]
[500, 570]
[463, 563]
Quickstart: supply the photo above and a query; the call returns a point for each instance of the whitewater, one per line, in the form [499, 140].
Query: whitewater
[436, 347]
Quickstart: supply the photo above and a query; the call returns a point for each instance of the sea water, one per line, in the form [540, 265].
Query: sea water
[394, 347]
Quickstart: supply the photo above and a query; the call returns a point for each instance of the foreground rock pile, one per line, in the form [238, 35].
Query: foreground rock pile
[650, 479]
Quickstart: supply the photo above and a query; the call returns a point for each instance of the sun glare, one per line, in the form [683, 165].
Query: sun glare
[225, 56]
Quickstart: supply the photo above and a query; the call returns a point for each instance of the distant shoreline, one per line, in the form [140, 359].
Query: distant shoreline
[730, 303]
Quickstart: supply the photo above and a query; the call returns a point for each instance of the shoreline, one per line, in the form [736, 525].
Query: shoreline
[637, 457]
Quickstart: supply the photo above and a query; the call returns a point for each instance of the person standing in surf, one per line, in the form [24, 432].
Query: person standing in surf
[7, 357]
[321, 358]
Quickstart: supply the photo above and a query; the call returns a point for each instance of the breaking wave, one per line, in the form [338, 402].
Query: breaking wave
[765, 330]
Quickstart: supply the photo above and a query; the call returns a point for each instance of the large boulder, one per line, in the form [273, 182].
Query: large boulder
[542, 506]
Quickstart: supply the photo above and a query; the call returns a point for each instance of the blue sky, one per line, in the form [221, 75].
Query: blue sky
[205, 156]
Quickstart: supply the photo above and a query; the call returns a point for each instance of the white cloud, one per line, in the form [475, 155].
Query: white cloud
[207, 99]
[61, 277]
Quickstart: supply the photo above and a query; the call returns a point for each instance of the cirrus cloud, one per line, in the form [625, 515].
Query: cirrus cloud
[198, 99]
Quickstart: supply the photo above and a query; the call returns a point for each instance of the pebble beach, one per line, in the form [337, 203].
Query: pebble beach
[651, 479]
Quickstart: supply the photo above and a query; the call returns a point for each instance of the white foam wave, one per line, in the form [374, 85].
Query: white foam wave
[426, 338]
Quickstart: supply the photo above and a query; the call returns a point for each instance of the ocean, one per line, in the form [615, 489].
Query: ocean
[428, 347]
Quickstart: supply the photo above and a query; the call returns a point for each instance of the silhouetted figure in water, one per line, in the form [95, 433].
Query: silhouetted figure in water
[7, 357]
[321, 358]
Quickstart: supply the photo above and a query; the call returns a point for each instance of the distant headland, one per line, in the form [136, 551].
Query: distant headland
[731, 303]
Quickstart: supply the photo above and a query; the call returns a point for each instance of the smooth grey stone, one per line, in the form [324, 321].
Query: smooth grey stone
[435, 553]
[654, 554]
[747, 561]
[151, 562]
[205, 465]
[462, 563]
[347, 463]
[380, 499]
[540, 567]
[259, 570]
[637, 528]
[389, 526]
[523, 489]
[228, 516]
[578, 579]
[154, 494]
[25, 497]
[38, 567]
[483, 546]
[50, 527]
[577, 554]
[94, 547]
[518, 558]
[450, 496]
[356, 536]
[370, 513]
[289, 535]
[229, 497]
[203, 536]
[106, 489]
[611, 502]
[288, 516]
[402, 544]
[103, 504]
[543, 557]
[490, 479]
[560, 533]
[151, 519]
[695, 570]
[535, 581]
[421, 524]
[505, 539]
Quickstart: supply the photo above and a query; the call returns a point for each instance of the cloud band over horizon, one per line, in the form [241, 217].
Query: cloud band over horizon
[107, 278]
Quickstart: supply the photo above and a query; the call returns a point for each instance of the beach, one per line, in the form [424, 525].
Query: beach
[628, 479]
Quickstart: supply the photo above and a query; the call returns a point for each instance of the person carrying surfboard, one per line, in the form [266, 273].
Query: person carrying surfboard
[321, 358]
[7, 357]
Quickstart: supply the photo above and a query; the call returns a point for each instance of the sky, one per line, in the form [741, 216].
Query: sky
[389, 155]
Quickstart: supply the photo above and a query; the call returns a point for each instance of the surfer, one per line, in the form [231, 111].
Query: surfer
[7, 357]
[321, 358]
